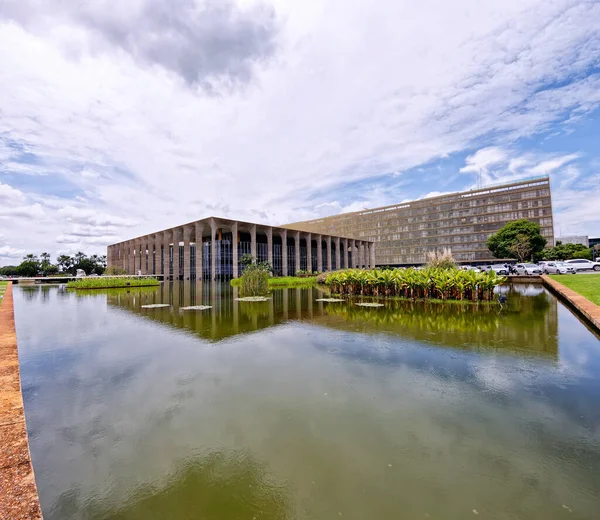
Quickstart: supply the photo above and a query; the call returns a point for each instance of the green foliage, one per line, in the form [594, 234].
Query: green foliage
[255, 278]
[503, 243]
[412, 283]
[282, 281]
[566, 252]
[34, 266]
[441, 259]
[255, 282]
[9, 270]
[106, 282]
[29, 267]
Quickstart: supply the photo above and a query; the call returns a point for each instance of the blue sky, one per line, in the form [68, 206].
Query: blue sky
[119, 121]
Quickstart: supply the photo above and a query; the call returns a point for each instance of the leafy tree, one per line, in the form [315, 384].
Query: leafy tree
[521, 247]
[501, 242]
[28, 267]
[65, 262]
[566, 252]
[9, 270]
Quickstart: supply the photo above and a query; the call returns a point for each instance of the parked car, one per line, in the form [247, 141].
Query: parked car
[557, 268]
[583, 265]
[500, 269]
[470, 268]
[80, 273]
[528, 269]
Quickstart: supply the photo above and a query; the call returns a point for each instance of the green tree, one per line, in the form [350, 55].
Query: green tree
[501, 242]
[566, 252]
[521, 247]
[29, 267]
[65, 262]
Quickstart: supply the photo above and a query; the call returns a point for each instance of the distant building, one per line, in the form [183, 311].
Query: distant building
[594, 242]
[575, 239]
[405, 232]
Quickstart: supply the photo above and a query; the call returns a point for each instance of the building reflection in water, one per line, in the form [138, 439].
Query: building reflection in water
[528, 323]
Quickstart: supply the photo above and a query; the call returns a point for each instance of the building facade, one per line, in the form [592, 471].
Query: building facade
[404, 233]
[213, 247]
[575, 239]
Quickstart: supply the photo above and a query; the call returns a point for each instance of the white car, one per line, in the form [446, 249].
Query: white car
[528, 269]
[557, 268]
[500, 269]
[583, 265]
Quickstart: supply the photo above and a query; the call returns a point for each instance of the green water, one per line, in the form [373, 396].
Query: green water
[297, 409]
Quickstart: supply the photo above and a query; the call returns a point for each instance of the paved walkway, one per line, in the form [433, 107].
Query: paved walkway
[18, 493]
[589, 310]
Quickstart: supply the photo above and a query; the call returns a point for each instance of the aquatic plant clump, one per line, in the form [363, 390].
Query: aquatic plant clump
[195, 308]
[106, 282]
[370, 304]
[155, 306]
[443, 284]
[329, 300]
[253, 299]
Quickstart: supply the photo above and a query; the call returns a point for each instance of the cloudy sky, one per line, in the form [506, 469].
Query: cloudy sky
[122, 118]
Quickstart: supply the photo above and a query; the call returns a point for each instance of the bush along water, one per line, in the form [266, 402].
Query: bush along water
[255, 277]
[431, 282]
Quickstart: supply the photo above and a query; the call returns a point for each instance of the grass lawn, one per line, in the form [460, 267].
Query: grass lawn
[283, 281]
[587, 285]
[104, 282]
[2, 289]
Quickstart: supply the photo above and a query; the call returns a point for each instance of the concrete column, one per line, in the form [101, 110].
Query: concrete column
[187, 254]
[213, 250]
[351, 252]
[338, 255]
[234, 250]
[329, 253]
[130, 252]
[198, 230]
[270, 246]
[309, 254]
[319, 253]
[150, 254]
[346, 255]
[284, 266]
[165, 256]
[362, 254]
[297, 250]
[176, 240]
[145, 255]
[253, 243]
[373, 255]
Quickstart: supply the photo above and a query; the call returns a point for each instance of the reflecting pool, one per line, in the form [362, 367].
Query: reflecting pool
[298, 409]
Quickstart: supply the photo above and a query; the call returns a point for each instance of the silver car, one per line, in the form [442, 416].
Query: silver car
[557, 268]
[528, 269]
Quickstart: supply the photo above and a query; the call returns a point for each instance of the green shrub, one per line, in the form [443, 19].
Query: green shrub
[428, 283]
[106, 282]
[255, 282]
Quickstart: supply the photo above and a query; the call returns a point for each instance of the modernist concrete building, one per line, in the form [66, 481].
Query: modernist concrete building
[404, 233]
[211, 248]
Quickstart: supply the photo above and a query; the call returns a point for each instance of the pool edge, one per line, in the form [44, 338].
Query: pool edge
[588, 310]
[18, 489]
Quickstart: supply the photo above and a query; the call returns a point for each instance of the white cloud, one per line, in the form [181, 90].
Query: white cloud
[9, 195]
[482, 159]
[335, 92]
